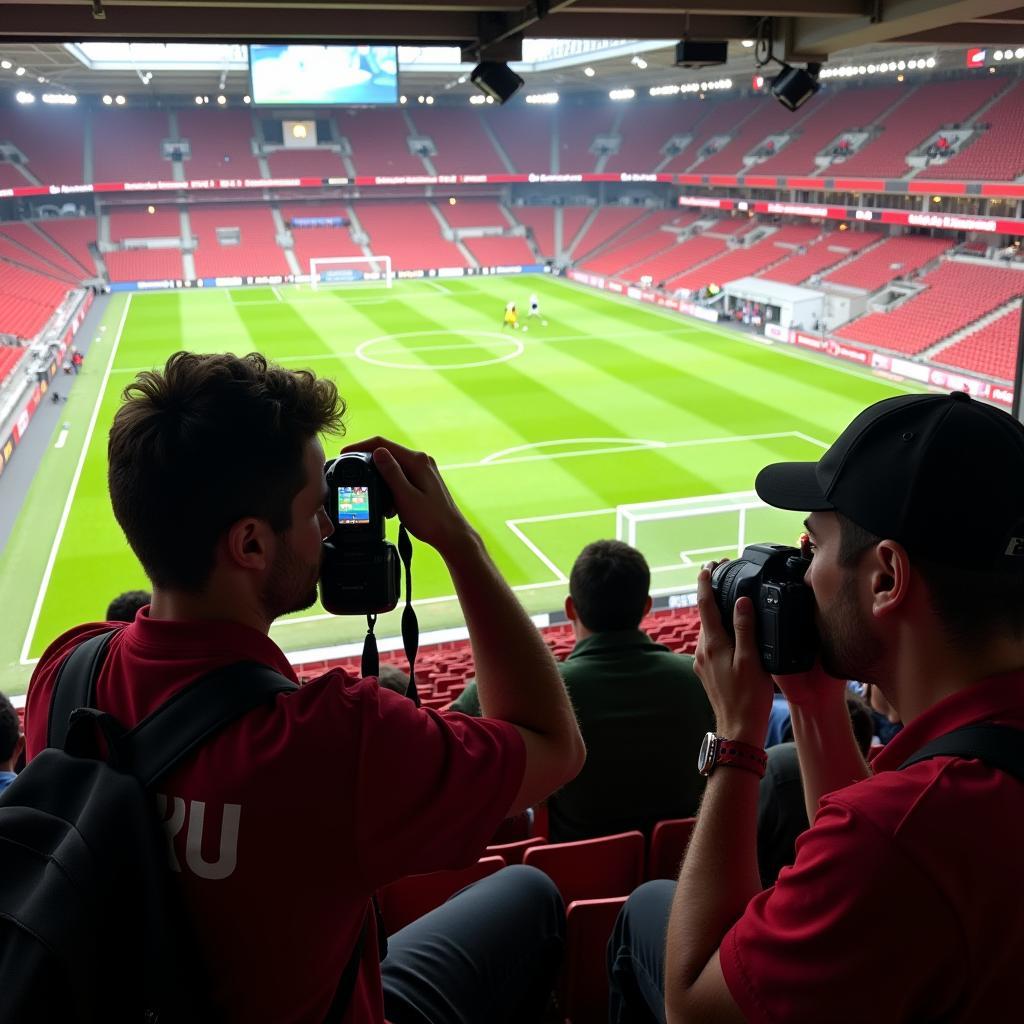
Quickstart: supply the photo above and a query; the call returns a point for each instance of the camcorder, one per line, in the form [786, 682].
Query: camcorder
[361, 571]
[772, 576]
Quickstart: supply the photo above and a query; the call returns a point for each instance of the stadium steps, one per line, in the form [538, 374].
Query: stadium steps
[496, 143]
[567, 251]
[737, 128]
[446, 230]
[527, 236]
[428, 164]
[610, 242]
[986, 107]
[972, 328]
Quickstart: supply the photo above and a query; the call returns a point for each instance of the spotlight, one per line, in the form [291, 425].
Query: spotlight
[107, 100]
[429, 100]
[5, 64]
[19, 71]
[747, 43]
[119, 100]
[589, 72]
[24, 97]
[496, 80]
[793, 87]
[199, 101]
[403, 99]
[639, 62]
[248, 99]
[222, 99]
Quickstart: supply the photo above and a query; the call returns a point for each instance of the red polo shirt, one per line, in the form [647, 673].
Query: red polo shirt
[287, 821]
[904, 903]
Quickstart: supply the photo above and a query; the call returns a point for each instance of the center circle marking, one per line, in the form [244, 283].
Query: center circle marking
[361, 351]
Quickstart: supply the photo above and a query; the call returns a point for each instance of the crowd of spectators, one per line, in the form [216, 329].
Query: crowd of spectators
[801, 841]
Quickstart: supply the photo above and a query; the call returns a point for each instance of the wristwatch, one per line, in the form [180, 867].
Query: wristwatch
[716, 750]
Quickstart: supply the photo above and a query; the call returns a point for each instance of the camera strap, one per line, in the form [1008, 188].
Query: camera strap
[410, 624]
[370, 663]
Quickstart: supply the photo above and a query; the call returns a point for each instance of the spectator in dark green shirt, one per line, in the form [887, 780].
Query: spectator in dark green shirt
[641, 709]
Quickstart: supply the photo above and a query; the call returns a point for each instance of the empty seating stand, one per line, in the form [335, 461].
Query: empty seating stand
[956, 294]
[991, 351]
[895, 257]
[10, 355]
[833, 248]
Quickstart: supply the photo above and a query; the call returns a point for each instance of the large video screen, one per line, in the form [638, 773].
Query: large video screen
[323, 75]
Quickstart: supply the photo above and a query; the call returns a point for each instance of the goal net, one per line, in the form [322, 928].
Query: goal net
[678, 535]
[327, 271]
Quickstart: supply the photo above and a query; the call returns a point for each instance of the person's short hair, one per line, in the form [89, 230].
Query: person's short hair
[393, 678]
[10, 728]
[124, 606]
[609, 585]
[971, 604]
[208, 441]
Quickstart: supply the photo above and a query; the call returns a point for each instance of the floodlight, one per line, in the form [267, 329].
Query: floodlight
[222, 99]
[5, 64]
[793, 87]
[108, 99]
[496, 79]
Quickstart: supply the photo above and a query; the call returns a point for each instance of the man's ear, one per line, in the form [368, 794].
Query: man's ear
[890, 577]
[18, 748]
[249, 544]
[570, 610]
[647, 607]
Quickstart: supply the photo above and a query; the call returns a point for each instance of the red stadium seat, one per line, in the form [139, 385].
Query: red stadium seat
[583, 988]
[513, 852]
[402, 902]
[668, 844]
[592, 868]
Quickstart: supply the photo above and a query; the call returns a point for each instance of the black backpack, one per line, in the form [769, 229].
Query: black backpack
[92, 929]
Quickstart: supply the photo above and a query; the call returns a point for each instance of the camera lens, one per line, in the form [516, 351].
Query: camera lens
[724, 582]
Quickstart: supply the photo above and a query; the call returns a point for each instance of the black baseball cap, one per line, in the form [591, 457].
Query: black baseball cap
[941, 474]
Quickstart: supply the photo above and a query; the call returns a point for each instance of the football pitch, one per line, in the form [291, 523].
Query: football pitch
[541, 434]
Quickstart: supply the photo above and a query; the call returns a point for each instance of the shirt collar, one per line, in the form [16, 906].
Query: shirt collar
[617, 638]
[997, 698]
[200, 638]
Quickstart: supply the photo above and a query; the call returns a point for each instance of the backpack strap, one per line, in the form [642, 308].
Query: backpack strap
[1000, 746]
[165, 738]
[74, 686]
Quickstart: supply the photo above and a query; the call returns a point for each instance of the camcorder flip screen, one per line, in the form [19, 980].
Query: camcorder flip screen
[353, 506]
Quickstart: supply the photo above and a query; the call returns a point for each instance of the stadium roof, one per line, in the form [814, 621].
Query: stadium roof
[615, 37]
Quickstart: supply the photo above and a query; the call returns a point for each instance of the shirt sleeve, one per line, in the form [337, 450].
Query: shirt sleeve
[467, 702]
[432, 787]
[822, 944]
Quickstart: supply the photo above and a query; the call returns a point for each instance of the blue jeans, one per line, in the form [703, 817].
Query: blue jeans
[636, 956]
[491, 953]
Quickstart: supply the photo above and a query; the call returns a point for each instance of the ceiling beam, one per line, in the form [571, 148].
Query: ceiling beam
[970, 33]
[678, 8]
[814, 38]
[59, 22]
[577, 24]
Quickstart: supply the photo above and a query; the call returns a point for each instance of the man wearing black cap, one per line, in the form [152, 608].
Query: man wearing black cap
[904, 902]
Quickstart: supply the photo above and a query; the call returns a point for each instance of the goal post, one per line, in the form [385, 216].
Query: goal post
[330, 270]
[688, 531]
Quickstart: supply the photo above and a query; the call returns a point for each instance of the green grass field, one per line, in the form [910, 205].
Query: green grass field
[541, 434]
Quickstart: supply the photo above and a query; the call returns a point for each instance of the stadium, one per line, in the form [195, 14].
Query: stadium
[601, 295]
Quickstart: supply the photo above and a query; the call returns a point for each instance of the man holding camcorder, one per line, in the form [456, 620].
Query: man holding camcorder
[282, 825]
[904, 901]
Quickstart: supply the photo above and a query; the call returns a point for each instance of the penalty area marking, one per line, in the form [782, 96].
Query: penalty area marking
[517, 350]
[622, 445]
[52, 559]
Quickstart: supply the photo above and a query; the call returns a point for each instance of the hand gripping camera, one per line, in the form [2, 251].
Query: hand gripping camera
[360, 573]
[772, 576]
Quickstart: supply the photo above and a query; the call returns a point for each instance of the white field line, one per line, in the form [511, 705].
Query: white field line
[276, 293]
[627, 445]
[48, 572]
[440, 288]
[559, 575]
[62, 439]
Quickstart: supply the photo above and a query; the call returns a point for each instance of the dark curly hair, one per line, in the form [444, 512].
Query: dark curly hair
[206, 442]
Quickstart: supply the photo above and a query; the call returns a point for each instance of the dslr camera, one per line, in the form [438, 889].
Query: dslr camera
[772, 576]
[360, 572]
